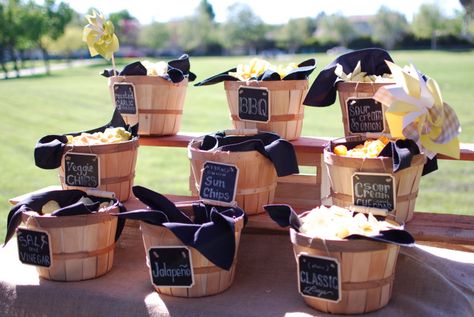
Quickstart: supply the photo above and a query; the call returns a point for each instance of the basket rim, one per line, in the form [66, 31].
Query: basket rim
[349, 84]
[270, 84]
[145, 79]
[117, 146]
[332, 245]
[330, 157]
[49, 221]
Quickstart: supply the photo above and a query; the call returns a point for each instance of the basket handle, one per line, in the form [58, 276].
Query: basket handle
[374, 135]
[374, 211]
[243, 132]
[100, 193]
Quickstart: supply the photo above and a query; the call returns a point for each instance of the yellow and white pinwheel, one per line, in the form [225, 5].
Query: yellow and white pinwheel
[99, 36]
[416, 111]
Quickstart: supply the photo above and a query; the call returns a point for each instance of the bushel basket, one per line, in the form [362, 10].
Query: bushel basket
[116, 166]
[159, 103]
[341, 170]
[209, 279]
[257, 179]
[360, 113]
[82, 246]
[285, 104]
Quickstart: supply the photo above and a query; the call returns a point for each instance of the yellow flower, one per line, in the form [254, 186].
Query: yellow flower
[99, 36]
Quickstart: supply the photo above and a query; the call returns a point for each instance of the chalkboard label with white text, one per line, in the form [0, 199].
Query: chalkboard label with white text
[171, 266]
[319, 277]
[124, 97]
[81, 169]
[218, 182]
[373, 190]
[253, 104]
[33, 247]
[364, 115]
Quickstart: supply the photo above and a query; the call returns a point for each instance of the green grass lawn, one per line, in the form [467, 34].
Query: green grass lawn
[78, 99]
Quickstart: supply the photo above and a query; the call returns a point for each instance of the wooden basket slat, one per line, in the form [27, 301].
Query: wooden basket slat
[341, 169]
[117, 166]
[205, 283]
[247, 162]
[356, 267]
[73, 247]
[154, 94]
[286, 98]
[348, 90]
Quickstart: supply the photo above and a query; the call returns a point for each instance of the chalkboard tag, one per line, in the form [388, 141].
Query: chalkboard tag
[125, 98]
[254, 104]
[34, 247]
[218, 183]
[81, 170]
[374, 190]
[319, 277]
[365, 115]
[171, 266]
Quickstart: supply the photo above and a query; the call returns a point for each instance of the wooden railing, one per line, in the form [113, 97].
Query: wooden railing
[305, 191]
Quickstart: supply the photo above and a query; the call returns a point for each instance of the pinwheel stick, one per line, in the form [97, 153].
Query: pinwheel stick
[113, 66]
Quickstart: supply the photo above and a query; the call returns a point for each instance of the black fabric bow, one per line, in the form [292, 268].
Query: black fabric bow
[285, 216]
[178, 70]
[270, 145]
[211, 231]
[401, 152]
[69, 202]
[49, 149]
[323, 90]
[302, 72]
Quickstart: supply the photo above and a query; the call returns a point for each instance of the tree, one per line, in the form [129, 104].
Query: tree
[155, 35]
[198, 32]
[126, 26]
[46, 23]
[243, 29]
[296, 32]
[468, 5]
[205, 9]
[388, 27]
[3, 39]
[468, 21]
[335, 28]
[69, 42]
[429, 22]
[12, 28]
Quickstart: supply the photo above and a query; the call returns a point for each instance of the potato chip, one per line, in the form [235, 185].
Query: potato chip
[357, 75]
[110, 135]
[50, 207]
[155, 69]
[257, 67]
[369, 149]
[338, 223]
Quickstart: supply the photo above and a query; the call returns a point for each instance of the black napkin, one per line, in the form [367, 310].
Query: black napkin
[401, 152]
[178, 70]
[302, 72]
[323, 90]
[285, 216]
[211, 232]
[270, 145]
[70, 205]
[49, 149]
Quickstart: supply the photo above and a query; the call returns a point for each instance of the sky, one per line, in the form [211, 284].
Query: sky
[271, 12]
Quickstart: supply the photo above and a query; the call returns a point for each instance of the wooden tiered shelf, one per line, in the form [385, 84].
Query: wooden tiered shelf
[305, 191]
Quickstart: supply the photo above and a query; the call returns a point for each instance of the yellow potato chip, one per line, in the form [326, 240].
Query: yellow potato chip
[110, 135]
[50, 207]
[338, 223]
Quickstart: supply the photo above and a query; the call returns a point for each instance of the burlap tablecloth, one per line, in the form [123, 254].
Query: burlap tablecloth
[426, 284]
